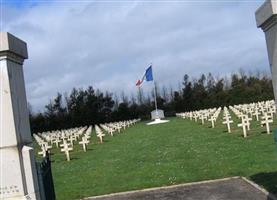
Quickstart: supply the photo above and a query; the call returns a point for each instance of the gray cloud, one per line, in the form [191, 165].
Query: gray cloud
[109, 44]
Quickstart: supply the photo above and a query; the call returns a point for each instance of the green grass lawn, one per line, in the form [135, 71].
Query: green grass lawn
[180, 151]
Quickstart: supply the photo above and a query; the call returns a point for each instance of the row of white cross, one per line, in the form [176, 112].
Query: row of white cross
[65, 139]
[207, 114]
[62, 139]
[227, 119]
[111, 128]
[263, 112]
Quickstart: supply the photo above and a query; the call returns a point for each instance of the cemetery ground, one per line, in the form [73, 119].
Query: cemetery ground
[180, 151]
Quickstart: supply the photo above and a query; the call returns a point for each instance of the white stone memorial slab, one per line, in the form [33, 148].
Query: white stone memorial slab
[157, 114]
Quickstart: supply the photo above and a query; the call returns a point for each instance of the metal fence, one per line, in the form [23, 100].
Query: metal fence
[46, 184]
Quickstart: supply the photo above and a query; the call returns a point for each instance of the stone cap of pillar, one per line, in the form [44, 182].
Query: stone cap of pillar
[10, 44]
[266, 15]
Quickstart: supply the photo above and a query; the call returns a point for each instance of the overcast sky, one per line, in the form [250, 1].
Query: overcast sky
[109, 44]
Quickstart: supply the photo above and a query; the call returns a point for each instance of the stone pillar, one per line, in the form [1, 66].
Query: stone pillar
[266, 17]
[18, 175]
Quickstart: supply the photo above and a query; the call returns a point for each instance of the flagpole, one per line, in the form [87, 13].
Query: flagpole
[155, 93]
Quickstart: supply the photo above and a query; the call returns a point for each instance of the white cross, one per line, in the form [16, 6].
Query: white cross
[111, 130]
[190, 115]
[84, 142]
[243, 124]
[247, 120]
[46, 146]
[71, 139]
[42, 152]
[124, 125]
[66, 150]
[202, 119]
[266, 121]
[51, 139]
[64, 144]
[56, 141]
[195, 117]
[256, 113]
[228, 122]
[63, 137]
[212, 119]
[118, 127]
[100, 135]
[271, 112]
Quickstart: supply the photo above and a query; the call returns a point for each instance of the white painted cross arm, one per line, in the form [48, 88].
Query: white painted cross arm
[84, 142]
[266, 121]
[243, 124]
[99, 133]
[228, 122]
[66, 150]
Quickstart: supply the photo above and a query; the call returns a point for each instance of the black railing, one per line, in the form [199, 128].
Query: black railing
[46, 184]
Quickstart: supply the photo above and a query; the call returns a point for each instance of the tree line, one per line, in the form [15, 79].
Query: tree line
[89, 106]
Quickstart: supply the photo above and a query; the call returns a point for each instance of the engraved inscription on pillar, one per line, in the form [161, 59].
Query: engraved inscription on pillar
[9, 190]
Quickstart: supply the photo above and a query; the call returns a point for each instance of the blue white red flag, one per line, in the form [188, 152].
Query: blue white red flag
[148, 76]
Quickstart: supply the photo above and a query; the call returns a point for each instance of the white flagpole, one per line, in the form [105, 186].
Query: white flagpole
[155, 98]
[155, 92]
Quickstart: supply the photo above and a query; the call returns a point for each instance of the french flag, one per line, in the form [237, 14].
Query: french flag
[148, 76]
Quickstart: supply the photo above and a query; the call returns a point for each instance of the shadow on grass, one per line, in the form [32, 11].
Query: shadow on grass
[63, 160]
[266, 180]
[90, 149]
[265, 132]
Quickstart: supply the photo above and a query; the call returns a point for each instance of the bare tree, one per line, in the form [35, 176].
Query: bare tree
[133, 99]
[116, 101]
[164, 94]
[171, 95]
[124, 98]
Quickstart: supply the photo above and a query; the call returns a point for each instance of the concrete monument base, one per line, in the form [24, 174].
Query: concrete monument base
[157, 116]
[157, 121]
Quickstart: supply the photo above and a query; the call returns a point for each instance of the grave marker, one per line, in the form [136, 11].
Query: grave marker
[244, 125]
[228, 122]
[212, 120]
[66, 149]
[84, 142]
[266, 120]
